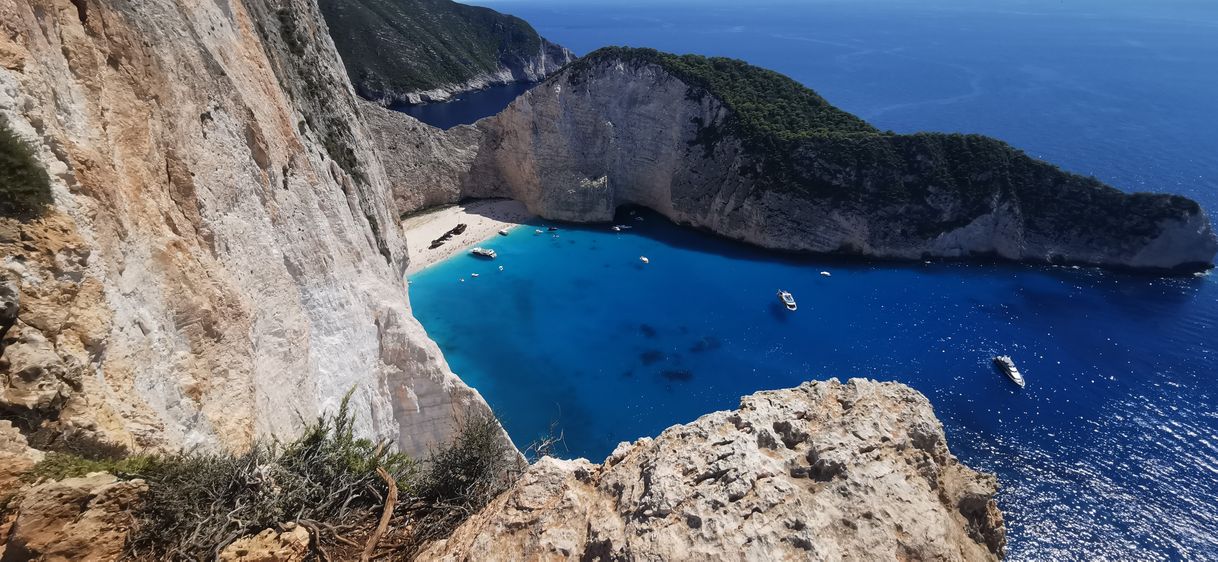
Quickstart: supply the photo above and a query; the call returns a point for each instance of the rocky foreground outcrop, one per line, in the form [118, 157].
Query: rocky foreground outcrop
[825, 471]
[753, 155]
[86, 518]
[222, 260]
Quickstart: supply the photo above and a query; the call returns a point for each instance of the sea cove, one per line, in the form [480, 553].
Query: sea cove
[576, 333]
[1110, 452]
[241, 315]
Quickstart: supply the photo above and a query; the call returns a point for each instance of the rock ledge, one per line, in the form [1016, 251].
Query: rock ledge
[825, 471]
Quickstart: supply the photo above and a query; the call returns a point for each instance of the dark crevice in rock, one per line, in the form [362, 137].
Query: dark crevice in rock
[82, 10]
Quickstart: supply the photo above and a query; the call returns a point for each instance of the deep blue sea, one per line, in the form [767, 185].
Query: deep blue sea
[1111, 452]
[467, 108]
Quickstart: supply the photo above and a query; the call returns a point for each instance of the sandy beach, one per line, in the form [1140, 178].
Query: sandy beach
[484, 219]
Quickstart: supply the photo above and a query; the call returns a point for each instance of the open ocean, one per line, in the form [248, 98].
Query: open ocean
[1111, 452]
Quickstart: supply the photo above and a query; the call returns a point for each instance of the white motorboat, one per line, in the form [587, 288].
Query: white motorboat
[484, 253]
[787, 300]
[1008, 368]
[644, 259]
[503, 232]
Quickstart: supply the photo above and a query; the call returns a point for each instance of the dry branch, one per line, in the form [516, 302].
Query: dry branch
[387, 514]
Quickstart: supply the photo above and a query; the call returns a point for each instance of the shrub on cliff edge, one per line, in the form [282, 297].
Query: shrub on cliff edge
[25, 188]
[199, 502]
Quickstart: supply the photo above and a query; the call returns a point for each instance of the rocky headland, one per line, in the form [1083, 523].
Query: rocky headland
[752, 155]
[418, 51]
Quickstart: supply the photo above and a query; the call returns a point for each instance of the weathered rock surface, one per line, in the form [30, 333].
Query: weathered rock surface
[223, 259]
[608, 132]
[290, 545]
[425, 166]
[74, 519]
[16, 459]
[825, 471]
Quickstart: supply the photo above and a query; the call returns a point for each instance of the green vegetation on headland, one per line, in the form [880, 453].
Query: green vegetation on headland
[392, 47]
[197, 502]
[929, 182]
[25, 187]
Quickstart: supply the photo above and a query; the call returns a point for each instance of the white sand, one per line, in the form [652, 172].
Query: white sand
[484, 219]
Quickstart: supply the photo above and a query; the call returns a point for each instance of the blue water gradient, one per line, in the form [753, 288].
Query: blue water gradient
[1111, 452]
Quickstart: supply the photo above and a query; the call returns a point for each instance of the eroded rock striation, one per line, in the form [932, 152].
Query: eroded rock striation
[425, 166]
[86, 518]
[825, 471]
[222, 259]
[752, 155]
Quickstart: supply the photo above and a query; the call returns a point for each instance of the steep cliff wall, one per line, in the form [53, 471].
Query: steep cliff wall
[826, 471]
[430, 50]
[222, 259]
[425, 166]
[752, 155]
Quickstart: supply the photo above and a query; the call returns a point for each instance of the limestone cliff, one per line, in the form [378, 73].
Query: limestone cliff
[425, 166]
[826, 471]
[221, 261]
[753, 155]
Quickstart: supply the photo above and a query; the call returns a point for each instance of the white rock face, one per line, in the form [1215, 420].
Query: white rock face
[589, 140]
[223, 229]
[826, 471]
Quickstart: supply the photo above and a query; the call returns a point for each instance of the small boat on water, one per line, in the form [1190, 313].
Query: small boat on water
[644, 259]
[787, 300]
[826, 274]
[484, 253]
[503, 232]
[538, 231]
[552, 228]
[1008, 368]
[475, 275]
[615, 228]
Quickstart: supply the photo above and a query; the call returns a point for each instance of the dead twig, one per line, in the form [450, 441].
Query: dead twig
[321, 550]
[387, 514]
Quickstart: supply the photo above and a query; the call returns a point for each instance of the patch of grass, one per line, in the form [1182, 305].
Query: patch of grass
[25, 187]
[57, 466]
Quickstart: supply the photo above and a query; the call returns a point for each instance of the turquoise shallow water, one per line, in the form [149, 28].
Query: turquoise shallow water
[1118, 417]
[1112, 450]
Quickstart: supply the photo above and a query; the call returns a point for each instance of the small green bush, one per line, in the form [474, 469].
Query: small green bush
[25, 188]
[462, 477]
